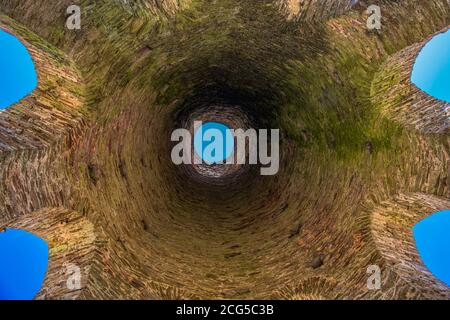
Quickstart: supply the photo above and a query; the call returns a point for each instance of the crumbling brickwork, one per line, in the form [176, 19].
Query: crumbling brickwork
[355, 174]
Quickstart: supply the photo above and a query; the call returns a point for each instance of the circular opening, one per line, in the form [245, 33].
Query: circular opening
[432, 67]
[23, 264]
[213, 142]
[18, 77]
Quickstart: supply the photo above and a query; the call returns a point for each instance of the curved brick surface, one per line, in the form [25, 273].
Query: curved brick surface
[402, 101]
[72, 244]
[313, 10]
[53, 109]
[392, 229]
[162, 234]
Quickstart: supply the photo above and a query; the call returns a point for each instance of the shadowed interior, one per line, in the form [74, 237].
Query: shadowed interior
[162, 231]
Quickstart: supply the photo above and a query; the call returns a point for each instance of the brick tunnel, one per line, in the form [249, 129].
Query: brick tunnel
[85, 159]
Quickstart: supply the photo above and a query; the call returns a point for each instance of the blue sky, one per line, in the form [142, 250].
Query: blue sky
[23, 264]
[431, 71]
[432, 236]
[17, 72]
